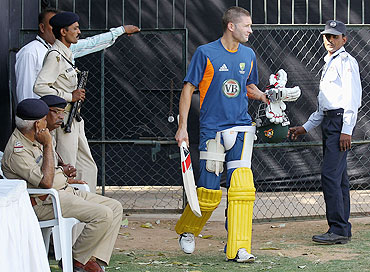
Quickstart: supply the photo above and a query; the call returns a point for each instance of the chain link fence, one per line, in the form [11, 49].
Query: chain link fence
[132, 99]
[133, 91]
[287, 175]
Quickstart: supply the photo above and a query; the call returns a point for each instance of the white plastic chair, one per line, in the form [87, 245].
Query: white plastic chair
[60, 226]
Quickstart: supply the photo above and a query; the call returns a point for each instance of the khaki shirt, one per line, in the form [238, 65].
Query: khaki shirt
[23, 159]
[57, 76]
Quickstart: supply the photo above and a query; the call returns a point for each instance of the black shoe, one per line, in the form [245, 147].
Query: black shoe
[330, 238]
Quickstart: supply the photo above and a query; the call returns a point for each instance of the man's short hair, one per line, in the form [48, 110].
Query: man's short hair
[24, 125]
[233, 15]
[43, 13]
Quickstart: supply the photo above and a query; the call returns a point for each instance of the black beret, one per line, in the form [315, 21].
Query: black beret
[63, 19]
[334, 27]
[32, 109]
[54, 101]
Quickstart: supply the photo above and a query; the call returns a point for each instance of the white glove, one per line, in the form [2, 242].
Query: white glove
[285, 94]
[275, 111]
[279, 79]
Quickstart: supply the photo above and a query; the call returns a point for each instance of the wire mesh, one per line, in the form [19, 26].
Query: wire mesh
[133, 91]
[134, 86]
[287, 175]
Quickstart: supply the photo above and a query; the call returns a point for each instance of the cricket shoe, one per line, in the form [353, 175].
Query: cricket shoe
[243, 257]
[187, 242]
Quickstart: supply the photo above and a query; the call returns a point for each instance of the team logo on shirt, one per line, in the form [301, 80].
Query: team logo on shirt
[242, 67]
[231, 88]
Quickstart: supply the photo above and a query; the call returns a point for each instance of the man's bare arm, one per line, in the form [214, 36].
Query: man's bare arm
[48, 169]
[184, 106]
[254, 93]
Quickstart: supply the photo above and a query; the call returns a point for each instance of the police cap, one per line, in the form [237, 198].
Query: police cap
[334, 27]
[63, 19]
[54, 101]
[32, 109]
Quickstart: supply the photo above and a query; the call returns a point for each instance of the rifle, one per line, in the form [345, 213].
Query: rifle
[76, 106]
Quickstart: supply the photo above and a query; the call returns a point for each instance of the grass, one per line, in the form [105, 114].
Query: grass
[268, 260]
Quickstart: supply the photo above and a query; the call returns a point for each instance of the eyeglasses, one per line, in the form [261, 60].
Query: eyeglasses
[58, 111]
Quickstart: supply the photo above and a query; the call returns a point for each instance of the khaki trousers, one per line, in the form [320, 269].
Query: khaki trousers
[102, 216]
[74, 149]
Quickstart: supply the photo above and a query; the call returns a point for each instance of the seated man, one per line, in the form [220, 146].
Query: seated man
[55, 119]
[29, 155]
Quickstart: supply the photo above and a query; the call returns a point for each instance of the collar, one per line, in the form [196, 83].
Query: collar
[25, 141]
[41, 40]
[63, 48]
[327, 58]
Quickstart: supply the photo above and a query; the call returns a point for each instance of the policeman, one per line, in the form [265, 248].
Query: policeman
[58, 76]
[339, 100]
[55, 119]
[31, 56]
[29, 155]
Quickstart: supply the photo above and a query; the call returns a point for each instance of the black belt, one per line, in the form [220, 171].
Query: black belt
[334, 113]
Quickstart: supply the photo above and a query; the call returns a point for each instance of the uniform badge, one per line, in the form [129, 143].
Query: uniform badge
[231, 88]
[38, 159]
[333, 24]
[58, 58]
[18, 147]
[242, 67]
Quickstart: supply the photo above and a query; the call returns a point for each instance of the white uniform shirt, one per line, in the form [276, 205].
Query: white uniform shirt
[340, 87]
[30, 58]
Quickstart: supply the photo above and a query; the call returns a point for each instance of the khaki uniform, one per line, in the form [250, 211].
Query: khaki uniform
[23, 160]
[58, 77]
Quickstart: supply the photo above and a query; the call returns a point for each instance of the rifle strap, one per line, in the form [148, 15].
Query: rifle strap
[67, 60]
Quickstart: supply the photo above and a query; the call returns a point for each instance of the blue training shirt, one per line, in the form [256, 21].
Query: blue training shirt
[222, 77]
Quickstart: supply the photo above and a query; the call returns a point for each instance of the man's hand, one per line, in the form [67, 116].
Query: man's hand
[130, 29]
[43, 136]
[182, 135]
[78, 94]
[75, 181]
[344, 142]
[69, 170]
[294, 132]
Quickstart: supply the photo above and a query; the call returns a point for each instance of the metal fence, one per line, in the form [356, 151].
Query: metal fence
[131, 99]
[287, 175]
[135, 86]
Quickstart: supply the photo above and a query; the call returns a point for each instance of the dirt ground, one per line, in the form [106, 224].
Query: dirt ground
[290, 238]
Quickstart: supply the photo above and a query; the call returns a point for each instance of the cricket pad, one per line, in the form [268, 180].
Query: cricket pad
[241, 196]
[208, 202]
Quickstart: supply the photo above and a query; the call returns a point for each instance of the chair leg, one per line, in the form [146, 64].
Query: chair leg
[46, 232]
[66, 243]
[57, 243]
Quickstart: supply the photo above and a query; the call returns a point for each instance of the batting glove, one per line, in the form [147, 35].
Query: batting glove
[275, 111]
[284, 94]
[279, 79]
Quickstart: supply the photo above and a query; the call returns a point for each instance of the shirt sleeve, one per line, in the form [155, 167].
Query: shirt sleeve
[96, 43]
[25, 74]
[314, 120]
[25, 166]
[351, 84]
[196, 68]
[253, 76]
[49, 73]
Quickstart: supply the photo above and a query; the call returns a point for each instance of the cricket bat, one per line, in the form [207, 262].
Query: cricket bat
[188, 179]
